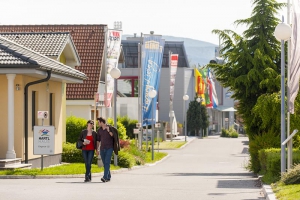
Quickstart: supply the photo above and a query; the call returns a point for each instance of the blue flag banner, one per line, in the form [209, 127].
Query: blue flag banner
[152, 56]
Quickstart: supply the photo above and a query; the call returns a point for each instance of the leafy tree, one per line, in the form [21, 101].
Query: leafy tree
[252, 67]
[197, 117]
[252, 72]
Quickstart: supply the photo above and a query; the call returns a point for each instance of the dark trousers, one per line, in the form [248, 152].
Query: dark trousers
[106, 159]
[88, 158]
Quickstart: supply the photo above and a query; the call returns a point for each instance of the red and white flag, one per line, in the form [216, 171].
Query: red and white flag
[173, 70]
[113, 43]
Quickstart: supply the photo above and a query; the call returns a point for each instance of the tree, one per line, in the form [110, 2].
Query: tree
[252, 67]
[252, 72]
[197, 117]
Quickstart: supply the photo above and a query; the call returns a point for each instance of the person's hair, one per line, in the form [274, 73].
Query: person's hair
[90, 121]
[101, 119]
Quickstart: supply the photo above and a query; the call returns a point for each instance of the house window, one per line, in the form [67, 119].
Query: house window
[128, 86]
[51, 109]
[33, 108]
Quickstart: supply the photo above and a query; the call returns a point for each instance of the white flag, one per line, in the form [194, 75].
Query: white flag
[295, 56]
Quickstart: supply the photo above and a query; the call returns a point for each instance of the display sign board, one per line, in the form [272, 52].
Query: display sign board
[42, 115]
[157, 125]
[136, 130]
[43, 140]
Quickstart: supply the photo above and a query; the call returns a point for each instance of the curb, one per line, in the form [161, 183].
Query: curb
[268, 192]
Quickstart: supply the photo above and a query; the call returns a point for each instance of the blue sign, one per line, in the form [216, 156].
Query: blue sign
[152, 56]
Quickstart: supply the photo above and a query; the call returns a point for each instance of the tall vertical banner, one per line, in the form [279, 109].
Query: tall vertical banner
[173, 70]
[295, 56]
[152, 56]
[112, 57]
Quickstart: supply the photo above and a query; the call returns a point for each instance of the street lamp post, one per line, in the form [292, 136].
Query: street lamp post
[282, 32]
[152, 95]
[185, 98]
[199, 100]
[115, 73]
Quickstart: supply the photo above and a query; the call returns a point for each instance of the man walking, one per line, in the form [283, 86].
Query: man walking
[107, 141]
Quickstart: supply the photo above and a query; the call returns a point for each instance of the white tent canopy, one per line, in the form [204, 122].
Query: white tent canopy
[226, 109]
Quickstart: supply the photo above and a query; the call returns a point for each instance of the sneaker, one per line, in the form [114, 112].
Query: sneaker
[104, 180]
[87, 180]
[107, 180]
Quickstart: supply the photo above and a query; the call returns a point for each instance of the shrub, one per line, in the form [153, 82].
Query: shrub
[264, 141]
[124, 143]
[74, 126]
[224, 133]
[270, 162]
[292, 176]
[120, 127]
[139, 155]
[231, 133]
[72, 155]
[129, 125]
[125, 159]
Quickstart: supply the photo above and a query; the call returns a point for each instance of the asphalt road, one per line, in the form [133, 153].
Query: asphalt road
[210, 168]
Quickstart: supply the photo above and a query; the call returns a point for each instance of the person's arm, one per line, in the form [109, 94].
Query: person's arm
[98, 142]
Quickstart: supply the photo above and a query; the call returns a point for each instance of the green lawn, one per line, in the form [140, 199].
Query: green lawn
[286, 192]
[73, 168]
[166, 145]
[79, 168]
[66, 169]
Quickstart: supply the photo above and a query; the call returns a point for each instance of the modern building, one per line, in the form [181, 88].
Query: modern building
[128, 82]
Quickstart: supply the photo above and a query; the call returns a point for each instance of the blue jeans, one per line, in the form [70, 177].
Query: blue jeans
[88, 158]
[106, 159]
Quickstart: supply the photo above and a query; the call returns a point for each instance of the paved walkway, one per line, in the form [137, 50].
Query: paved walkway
[210, 168]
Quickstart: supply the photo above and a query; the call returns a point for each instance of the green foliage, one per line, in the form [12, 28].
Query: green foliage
[253, 61]
[292, 176]
[270, 162]
[231, 133]
[197, 117]
[125, 159]
[252, 73]
[72, 155]
[265, 141]
[120, 127]
[74, 126]
[286, 192]
[129, 125]
[139, 155]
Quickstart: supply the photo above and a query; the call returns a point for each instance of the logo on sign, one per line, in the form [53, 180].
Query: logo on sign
[44, 137]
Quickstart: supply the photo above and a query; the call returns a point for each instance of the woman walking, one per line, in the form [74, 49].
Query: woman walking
[90, 140]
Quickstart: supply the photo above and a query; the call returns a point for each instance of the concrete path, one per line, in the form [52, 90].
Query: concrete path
[210, 168]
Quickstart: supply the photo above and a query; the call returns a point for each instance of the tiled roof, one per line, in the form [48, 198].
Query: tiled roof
[16, 55]
[89, 42]
[48, 44]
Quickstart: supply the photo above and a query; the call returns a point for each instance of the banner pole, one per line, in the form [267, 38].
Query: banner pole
[140, 113]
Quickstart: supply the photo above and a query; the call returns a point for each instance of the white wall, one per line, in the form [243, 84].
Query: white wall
[128, 106]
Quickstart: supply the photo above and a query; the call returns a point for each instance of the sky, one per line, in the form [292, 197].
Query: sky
[193, 19]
